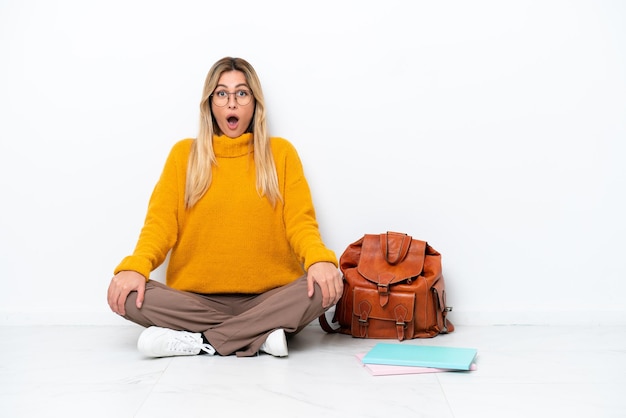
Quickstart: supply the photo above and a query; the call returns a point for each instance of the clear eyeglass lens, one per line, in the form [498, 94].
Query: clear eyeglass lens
[221, 97]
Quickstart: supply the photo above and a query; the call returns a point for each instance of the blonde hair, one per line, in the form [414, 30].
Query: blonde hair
[202, 156]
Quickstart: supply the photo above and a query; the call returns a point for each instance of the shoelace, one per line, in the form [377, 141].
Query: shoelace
[187, 343]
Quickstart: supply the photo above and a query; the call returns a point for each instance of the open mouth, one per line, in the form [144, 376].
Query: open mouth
[232, 122]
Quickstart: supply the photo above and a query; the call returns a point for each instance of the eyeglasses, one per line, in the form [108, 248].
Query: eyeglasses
[221, 97]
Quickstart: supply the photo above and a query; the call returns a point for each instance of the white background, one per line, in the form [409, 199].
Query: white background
[493, 130]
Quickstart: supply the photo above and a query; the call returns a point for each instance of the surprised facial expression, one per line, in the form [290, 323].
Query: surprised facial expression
[232, 104]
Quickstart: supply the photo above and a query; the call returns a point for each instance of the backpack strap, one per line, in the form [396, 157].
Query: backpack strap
[326, 326]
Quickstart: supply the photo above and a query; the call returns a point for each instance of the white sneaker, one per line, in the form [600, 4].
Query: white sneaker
[276, 344]
[165, 342]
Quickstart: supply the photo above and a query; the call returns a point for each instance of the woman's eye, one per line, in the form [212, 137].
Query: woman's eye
[242, 93]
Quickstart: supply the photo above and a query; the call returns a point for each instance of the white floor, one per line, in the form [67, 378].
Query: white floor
[522, 372]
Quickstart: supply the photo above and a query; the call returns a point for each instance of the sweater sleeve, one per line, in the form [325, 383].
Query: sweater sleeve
[160, 229]
[299, 214]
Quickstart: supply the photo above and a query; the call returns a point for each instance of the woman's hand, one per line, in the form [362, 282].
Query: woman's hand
[327, 276]
[121, 285]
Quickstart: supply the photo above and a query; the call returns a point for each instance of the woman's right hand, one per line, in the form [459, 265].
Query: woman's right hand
[121, 285]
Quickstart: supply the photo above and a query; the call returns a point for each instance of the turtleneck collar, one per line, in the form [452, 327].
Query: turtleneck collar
[225, 146]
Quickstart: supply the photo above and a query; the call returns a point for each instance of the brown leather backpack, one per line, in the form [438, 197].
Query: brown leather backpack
[393, 288]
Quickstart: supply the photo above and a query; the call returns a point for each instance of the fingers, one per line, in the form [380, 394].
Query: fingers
[329, 280]
[140, 294]
[338, 289]
[112, 296]
[310, 285]
[329, 294]
[121, 286]
[322, 283]
[326, 297]
[117, 295]
[120, 302]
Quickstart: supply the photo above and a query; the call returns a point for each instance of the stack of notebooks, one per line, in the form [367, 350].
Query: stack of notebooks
[398, 358]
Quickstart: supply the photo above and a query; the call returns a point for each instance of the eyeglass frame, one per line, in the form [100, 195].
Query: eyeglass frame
[212, 96]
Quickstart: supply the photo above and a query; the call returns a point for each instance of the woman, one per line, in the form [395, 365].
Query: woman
[233, 208]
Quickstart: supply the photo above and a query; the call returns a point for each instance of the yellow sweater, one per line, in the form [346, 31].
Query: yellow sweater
[232, 240]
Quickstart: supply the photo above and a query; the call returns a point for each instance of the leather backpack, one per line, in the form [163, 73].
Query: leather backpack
[393, 289]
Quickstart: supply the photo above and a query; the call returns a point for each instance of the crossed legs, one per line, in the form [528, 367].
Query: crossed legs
[231, 323]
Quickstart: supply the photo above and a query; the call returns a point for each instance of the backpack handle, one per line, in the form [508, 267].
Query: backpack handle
[395, 246]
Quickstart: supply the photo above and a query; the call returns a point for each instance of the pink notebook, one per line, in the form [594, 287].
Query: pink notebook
[384, 370]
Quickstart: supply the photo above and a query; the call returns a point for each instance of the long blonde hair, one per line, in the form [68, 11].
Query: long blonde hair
[202, 156]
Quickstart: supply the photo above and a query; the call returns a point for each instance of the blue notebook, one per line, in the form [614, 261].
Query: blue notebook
[422, 356]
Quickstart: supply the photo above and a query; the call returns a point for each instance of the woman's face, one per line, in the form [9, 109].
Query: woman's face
[232, 104]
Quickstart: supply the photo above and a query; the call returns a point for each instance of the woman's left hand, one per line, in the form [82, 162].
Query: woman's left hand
[327, 276]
